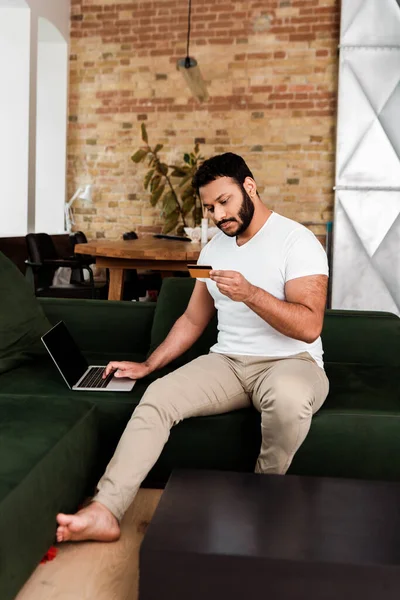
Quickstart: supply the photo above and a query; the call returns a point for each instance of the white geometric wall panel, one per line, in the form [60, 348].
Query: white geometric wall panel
[366, 250]
[370, 23]
[368, 142]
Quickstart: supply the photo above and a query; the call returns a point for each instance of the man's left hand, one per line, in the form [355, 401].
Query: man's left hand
[233, 285]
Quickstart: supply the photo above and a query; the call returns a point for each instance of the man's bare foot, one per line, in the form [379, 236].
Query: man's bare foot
[94, 522]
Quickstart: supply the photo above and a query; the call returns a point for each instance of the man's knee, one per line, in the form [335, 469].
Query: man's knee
[159, 403]
[288, 401]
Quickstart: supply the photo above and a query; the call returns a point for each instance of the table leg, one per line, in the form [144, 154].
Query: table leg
[116, 288]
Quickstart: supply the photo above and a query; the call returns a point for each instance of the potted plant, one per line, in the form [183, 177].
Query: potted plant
[171, 185]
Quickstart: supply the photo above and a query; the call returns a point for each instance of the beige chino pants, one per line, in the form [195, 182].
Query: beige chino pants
[286, 391]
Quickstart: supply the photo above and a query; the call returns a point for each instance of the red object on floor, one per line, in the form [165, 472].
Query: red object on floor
[50, 555]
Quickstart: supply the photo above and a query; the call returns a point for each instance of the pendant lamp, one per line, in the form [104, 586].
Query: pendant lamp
[190, 70]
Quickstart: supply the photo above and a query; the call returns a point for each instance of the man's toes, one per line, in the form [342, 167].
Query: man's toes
[64, 519]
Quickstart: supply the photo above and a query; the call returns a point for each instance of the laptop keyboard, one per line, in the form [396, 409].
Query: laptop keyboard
[94, 379]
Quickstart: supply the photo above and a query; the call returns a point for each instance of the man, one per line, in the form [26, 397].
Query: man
[268, 284]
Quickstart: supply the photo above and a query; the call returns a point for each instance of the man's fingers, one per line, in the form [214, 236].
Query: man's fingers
[112, 366]
[128, 373]
[221, 279]
[123, 373]
[228, 274]
[224, 289]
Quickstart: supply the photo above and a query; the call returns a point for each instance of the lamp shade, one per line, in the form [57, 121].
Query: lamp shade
[192, 75]
[83, 193]
[86, 193]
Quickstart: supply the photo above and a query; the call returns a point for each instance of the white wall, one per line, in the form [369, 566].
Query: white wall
[22, 101]
[51, 22]
[14, 119]
[51, 129]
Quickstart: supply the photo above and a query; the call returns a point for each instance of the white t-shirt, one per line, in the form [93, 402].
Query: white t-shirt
[281, 250]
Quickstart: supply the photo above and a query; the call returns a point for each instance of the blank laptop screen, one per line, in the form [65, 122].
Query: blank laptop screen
[65, 353]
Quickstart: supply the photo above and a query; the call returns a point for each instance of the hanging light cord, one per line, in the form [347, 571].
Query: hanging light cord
[187, 59]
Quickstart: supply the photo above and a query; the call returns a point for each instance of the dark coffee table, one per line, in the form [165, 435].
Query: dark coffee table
[218, 535]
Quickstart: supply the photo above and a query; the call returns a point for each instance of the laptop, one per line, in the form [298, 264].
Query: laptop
[76, 372]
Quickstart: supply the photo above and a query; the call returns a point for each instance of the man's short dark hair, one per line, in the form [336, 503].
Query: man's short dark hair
[222, 165]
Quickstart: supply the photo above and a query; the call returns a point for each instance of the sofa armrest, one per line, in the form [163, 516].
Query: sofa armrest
[104, 326]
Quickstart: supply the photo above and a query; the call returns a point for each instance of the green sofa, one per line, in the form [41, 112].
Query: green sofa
[54, 443]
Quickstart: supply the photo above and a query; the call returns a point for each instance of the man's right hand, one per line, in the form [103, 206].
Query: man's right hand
[124, 368]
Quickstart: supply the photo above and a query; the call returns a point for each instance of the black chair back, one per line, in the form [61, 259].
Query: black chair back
[77, 237]
[40, 248]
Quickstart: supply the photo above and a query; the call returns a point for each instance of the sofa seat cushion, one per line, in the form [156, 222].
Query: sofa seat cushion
[47, 453]
[22, 320]
[363, 444]
[362, 387]
[41, 379]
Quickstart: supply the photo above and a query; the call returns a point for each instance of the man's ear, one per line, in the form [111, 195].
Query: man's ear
[250, 186]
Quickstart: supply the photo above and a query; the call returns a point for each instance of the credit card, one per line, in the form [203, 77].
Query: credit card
[202, 271]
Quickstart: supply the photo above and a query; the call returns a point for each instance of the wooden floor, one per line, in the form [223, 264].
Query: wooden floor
[93, 570]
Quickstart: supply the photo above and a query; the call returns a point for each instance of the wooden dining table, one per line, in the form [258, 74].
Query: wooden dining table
[164, 255]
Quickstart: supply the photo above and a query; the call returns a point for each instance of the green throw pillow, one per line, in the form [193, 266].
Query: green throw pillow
[22, 320]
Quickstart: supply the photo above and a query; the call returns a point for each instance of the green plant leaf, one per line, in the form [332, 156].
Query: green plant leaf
[144, 134]
[171, 222]
[169, 204]
[179, 171]
[188, 193]
[188, 204]
[155, 196]
[163, 168]
[147, 178]
[139, 156]
[186, 158]
[155, 182]
[158, 148]
[185, 180]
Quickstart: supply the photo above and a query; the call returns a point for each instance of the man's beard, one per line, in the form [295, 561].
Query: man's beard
[245, 216]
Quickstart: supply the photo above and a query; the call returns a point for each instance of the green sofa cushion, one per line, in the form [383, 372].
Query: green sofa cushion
[22, 320]
[41, 379]
[341, 443]
[107, 327]
[363, 444]
[47, 453]
[363, 387]
[361, 337]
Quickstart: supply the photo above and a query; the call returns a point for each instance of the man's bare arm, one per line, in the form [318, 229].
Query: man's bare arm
[301, 315]
[186, 330]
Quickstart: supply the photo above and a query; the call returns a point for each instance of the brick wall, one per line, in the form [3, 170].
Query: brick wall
[271, 72]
